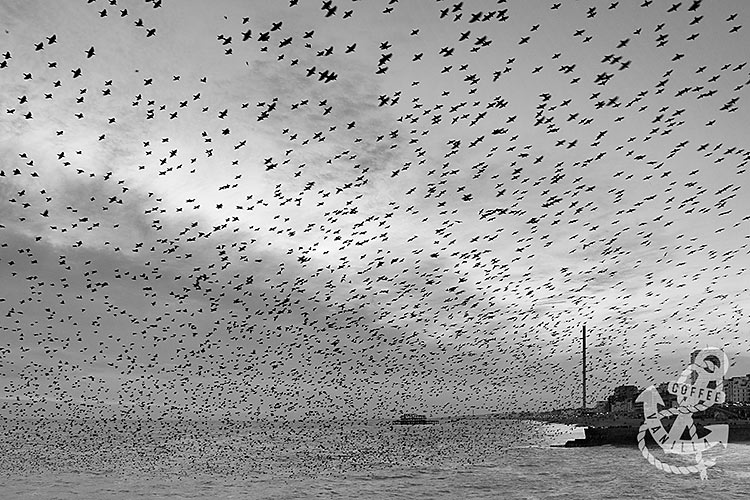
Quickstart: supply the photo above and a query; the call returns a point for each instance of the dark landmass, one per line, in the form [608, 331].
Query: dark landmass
[623, 430]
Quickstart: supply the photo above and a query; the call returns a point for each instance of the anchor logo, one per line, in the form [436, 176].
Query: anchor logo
[699, 387]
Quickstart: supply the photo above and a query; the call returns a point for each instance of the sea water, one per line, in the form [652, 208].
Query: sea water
[482, 458]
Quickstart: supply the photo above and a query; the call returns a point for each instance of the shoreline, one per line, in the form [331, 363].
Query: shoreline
[623, 430]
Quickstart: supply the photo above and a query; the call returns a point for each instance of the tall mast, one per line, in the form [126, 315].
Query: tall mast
[583, 406]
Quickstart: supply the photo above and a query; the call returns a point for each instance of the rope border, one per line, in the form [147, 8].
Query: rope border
[701, 467]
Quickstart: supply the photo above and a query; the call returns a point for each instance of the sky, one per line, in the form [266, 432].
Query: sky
[246, 209]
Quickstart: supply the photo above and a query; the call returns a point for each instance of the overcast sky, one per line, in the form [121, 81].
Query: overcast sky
[244, 208]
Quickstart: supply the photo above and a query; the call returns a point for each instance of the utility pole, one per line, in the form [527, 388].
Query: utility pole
[583, 406]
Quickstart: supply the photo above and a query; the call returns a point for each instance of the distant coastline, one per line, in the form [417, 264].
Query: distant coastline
[622, 430]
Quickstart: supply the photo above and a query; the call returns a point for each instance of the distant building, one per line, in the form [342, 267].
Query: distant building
[737, 389]
[602, 407]
[624, 406]
[670, 400]
[623, 399]
[625, 392]
[566, 412]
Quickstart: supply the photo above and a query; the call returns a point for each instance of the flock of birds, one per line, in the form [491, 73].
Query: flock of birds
[366, 208]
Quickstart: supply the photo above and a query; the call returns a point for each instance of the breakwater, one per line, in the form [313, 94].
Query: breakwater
[627, 435]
